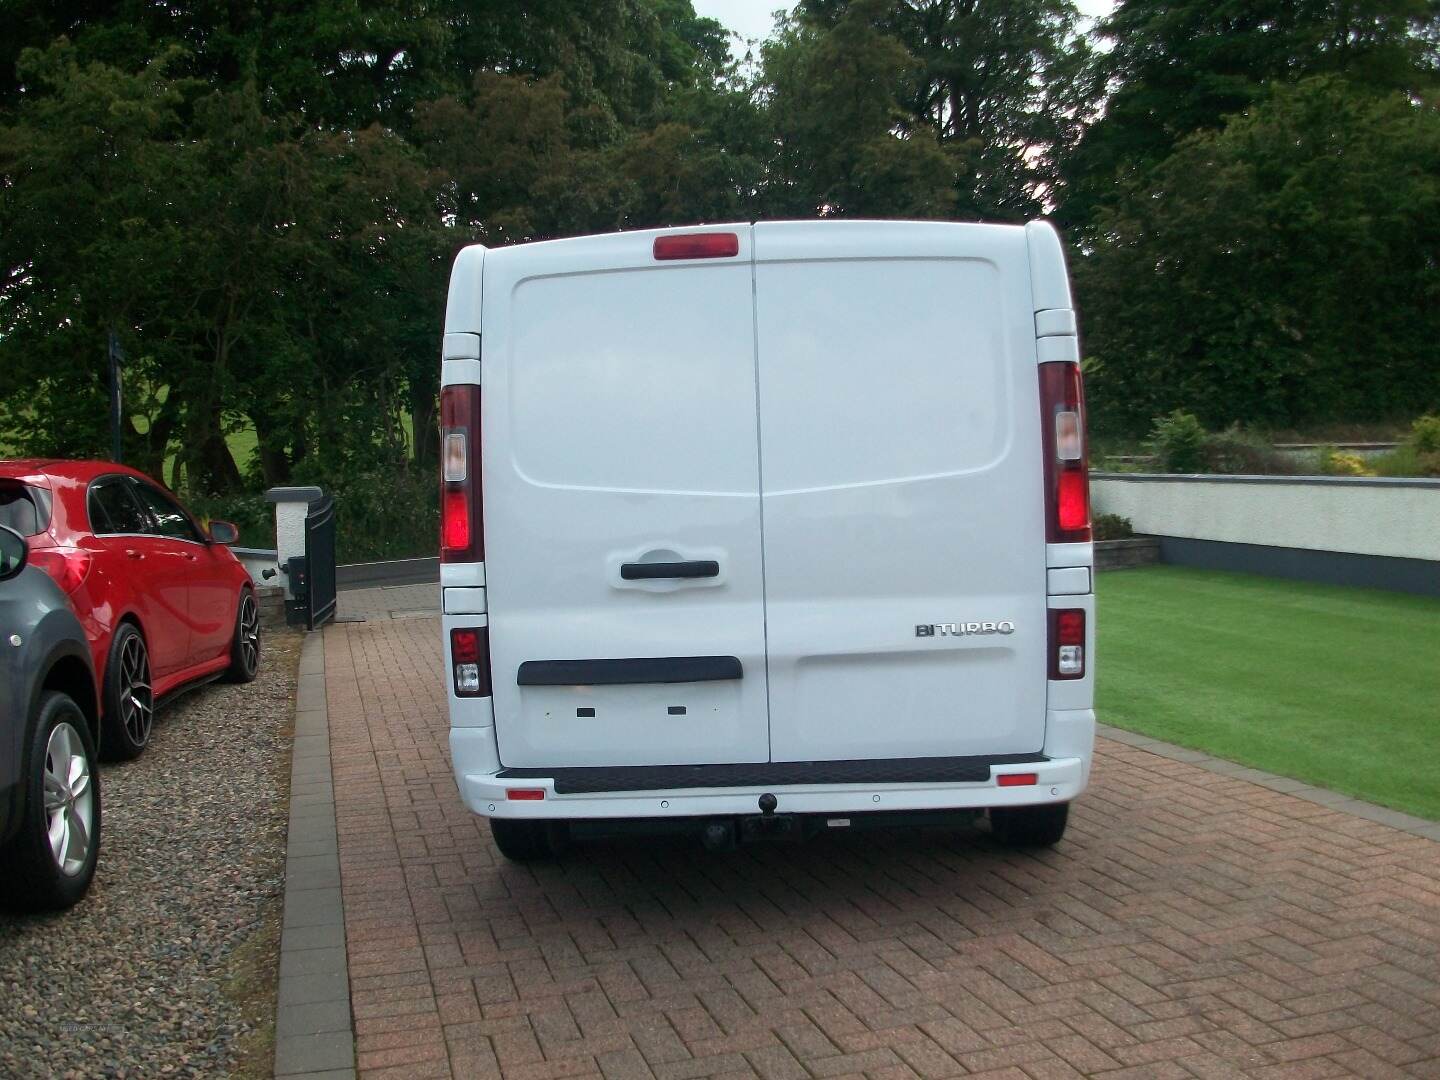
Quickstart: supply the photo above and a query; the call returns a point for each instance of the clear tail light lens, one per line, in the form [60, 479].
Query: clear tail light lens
[1067, 467]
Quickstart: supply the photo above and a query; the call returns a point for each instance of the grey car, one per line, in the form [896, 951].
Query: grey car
[49, 788]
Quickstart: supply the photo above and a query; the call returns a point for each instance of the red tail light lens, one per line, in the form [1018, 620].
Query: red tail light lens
[470, 661]
[714, 245]
[1067, 643]
[68, 566]
[520, 794]
[1072, 502]
[1067, 467]
[462, 530]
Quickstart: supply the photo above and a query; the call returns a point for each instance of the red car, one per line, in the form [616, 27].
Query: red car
[164, 603]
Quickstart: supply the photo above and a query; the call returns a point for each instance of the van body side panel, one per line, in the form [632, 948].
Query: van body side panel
[619, 429]
[902, 489]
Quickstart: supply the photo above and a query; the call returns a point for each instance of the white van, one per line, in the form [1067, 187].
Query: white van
[771, 527]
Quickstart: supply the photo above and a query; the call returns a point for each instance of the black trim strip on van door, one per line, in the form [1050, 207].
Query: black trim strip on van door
[694, 568]
[642, 669]
[772, 774]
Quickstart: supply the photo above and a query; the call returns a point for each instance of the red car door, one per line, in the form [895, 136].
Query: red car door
[147, 572]
[211, 591]
[179, 539]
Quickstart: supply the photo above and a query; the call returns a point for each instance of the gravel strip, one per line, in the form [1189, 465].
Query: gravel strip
[139, 979]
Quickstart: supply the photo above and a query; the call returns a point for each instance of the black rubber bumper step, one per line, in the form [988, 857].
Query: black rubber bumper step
[767, 774]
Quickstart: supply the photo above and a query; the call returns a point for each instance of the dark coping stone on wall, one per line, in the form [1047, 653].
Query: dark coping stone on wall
[1418, 576]
[1124, 554]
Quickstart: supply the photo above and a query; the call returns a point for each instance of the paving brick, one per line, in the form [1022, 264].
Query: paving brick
[1200, 920]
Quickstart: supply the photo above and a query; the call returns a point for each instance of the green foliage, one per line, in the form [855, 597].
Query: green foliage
[1277, 272]
[1333, 462]
[1418, 455]
[380, 514]
[1176, 67]
[1425, 435]
[1178, 441]
[1181, 444]
[881, 107]
[1112, 527]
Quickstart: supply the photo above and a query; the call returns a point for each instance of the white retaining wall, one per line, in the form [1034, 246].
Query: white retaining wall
[1362, 515]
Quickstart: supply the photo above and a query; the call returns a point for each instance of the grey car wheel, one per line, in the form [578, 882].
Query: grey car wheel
[69, 799]
[50, 861]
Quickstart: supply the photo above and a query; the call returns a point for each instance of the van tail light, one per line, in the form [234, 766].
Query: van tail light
[68, 566]
[470, 661]
[1067, 464]
[1067, 643]
[710, 245]
[462, 520]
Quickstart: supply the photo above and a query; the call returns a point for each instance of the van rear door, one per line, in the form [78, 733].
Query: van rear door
[902, 490]
[622, 529]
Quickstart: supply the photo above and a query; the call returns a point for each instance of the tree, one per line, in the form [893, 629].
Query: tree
[833, 105]
[992, 82]
[1174, 67]
[262, 201]
[1278, 271]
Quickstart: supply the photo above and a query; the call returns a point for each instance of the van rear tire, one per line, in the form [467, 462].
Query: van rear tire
[1030, 826]
[529, 841]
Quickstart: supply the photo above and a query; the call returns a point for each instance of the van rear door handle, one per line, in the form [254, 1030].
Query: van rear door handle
[636, 571]
[131, 553]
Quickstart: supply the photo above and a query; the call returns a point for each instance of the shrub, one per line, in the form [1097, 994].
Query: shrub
[1418, 455]
[1113, 527]
[1179, 442]
[1425, 435]
[1233, 452]
[1339, 463]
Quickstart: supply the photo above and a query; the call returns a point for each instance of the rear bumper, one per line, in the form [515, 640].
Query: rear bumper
[484, 789]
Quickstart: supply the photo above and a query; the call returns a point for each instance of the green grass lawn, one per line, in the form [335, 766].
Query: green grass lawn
[1337, 687]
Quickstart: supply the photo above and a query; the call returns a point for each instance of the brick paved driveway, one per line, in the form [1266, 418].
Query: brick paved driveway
[1190, 925]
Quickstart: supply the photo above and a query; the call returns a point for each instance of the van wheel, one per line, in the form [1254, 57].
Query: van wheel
[1030, 826]
[530, 841]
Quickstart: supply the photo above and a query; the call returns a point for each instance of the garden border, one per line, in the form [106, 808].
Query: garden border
[314, 1029]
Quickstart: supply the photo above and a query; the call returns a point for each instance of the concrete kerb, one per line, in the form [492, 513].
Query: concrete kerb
[1333, 800]
[314, 1028]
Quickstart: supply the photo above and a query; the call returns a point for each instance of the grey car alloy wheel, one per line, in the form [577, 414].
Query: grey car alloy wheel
[69, 800]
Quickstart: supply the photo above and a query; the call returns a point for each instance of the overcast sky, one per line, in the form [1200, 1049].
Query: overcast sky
[754, 18]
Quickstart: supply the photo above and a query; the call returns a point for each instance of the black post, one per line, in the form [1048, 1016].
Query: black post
[115, 357]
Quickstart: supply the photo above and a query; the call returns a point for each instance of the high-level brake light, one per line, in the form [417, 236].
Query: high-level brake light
[1067, 469]
[709, 245]
[462, 533]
